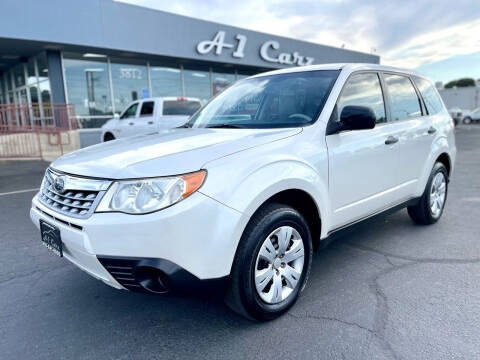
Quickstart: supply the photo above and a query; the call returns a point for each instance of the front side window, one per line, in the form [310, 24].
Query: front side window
[147, 108]
[363, 90]
[430, 96]
[274, 101]
[404, 101]
[130, 112]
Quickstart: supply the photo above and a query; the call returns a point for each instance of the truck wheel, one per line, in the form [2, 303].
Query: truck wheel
[430, 207]
[108, 137]
[272, 263]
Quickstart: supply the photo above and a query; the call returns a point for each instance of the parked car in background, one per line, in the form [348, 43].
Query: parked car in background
[456, 114]
[267, 171]
[150, 115]
[471, 116]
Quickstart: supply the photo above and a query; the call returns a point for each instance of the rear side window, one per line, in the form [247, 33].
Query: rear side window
[430, 96]
[180, 107]
[147, 108]
[363, 90]
[404, 101]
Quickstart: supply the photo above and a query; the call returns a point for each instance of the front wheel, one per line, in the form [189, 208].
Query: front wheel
[430, 206]
[108, 137]
[272, 263]
[467, 120]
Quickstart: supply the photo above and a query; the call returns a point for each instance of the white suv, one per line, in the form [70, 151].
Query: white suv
[258, 178]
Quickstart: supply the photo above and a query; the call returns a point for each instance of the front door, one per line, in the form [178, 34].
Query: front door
[126, 122]
[362, 163]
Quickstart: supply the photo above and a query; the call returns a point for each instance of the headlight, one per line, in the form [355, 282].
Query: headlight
[143, 196]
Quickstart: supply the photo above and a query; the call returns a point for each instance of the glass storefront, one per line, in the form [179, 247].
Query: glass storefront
[27, 85]
[100, 86]
[220, 81]
[197, 84]
[88, 86]
[130, 83]
[166, 81]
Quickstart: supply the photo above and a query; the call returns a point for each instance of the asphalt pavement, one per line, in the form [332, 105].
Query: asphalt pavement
[388, 289]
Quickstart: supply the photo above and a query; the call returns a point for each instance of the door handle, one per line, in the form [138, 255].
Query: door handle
[432, 130]
[391, 140]
[150, 123]
[130, 123]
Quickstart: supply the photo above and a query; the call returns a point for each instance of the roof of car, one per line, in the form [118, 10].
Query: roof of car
[340, 66]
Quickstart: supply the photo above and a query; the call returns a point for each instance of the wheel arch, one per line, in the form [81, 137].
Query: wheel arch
[444, 158]
[106, 133]
[304, 203]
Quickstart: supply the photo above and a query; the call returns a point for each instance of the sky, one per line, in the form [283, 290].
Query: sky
[440, 38]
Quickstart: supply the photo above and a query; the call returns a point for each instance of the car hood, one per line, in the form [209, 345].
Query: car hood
[168, 152]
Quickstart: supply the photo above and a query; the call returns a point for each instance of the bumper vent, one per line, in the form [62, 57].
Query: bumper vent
[122, 270]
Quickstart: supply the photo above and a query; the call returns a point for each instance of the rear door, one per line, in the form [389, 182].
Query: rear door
[362, 163]
[146, 123]
[413, 129]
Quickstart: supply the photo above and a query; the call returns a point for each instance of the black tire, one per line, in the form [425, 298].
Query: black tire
[467, 120]
[108, 137]
[242, 296]
[422, 213]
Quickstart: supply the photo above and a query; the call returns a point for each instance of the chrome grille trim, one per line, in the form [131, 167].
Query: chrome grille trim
[79, 198]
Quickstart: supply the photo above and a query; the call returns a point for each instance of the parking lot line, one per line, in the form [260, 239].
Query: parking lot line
[18, 191]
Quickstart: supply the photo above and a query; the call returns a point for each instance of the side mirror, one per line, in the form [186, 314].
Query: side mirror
[116, 116]
[357, 118]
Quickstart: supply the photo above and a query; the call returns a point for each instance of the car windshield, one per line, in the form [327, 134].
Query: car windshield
[273, 101]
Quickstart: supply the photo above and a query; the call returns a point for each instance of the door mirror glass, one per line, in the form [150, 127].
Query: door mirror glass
[355, 117]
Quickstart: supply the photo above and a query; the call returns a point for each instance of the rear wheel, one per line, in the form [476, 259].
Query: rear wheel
[430, 207]
[272, 263]
[467, 120]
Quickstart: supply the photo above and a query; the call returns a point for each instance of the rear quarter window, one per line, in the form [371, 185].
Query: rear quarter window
[430, 96]
[180, 107]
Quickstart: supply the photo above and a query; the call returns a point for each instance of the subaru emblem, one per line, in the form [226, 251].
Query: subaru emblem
[59, 184]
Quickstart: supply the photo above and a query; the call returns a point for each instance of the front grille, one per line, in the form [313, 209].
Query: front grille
[77, 197]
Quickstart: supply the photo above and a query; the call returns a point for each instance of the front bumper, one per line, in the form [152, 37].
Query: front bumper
[198, 235]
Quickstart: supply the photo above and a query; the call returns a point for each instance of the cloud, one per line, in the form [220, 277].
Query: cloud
[405, 33]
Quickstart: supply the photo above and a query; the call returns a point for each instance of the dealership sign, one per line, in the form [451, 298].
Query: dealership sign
[270, 51]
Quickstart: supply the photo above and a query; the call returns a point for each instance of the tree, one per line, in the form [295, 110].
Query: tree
[463, 82]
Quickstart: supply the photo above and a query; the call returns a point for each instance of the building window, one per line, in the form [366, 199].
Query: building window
[31, 73]
[88, 86]
[197, 84]
[166, 81]
[130, 83]
[2, 97]
[42, 67]
[19, 75]
[220, 81]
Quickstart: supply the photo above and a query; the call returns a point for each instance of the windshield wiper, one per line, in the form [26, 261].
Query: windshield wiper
[225, 126]
[186, 125]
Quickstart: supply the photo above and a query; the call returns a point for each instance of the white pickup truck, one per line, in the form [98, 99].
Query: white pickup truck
[150, 115]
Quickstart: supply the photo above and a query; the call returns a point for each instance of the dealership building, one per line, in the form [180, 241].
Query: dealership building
[99, 55]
